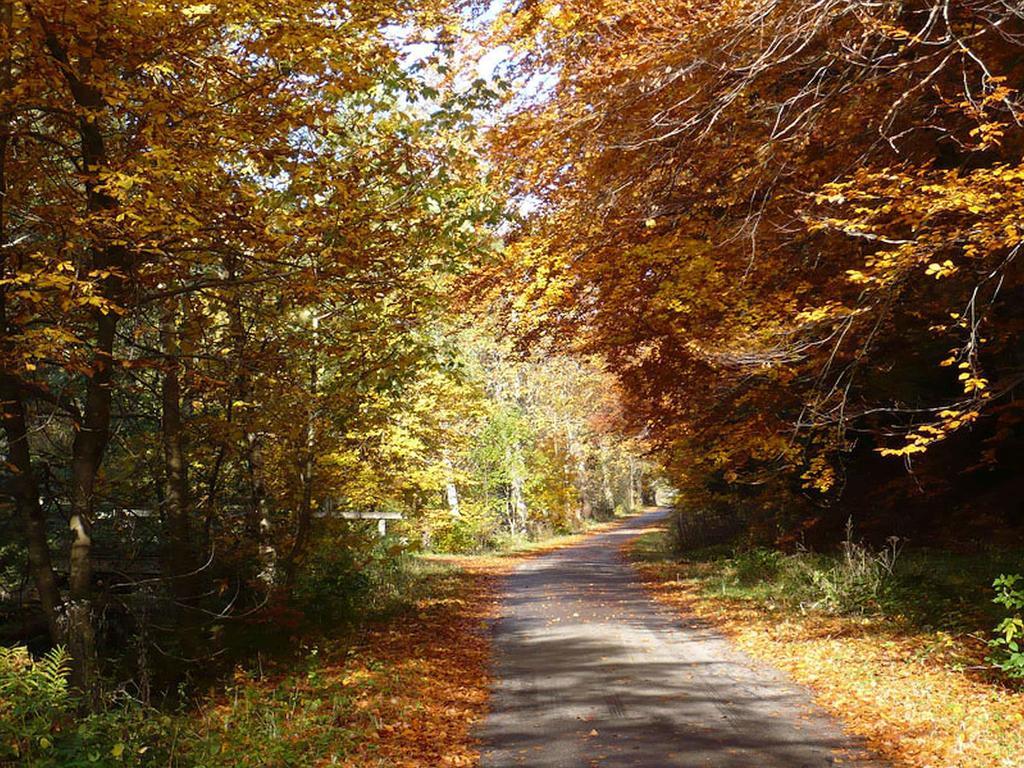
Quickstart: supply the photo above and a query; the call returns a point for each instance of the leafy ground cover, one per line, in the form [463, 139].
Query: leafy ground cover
[903, 664]
[403, 689]
[406, 694]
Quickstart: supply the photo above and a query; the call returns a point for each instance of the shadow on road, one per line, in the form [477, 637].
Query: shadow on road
[590, 672]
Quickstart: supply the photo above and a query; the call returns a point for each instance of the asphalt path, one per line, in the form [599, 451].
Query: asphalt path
[589, 671]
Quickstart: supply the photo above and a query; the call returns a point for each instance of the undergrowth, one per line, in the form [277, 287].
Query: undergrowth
[920, 588]
[892, 640]
[308, 705]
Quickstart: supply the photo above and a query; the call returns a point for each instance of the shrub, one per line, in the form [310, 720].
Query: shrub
[1007, 655]
[472, 531]
[702, 527]
[332, 585]
[40, 724]
[348, 578]
[859, 580]
[335, 582]
[757, 565]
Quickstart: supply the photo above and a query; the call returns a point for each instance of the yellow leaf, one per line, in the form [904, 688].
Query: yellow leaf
[192, 11]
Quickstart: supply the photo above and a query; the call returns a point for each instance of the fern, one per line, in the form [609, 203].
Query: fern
[34, 695]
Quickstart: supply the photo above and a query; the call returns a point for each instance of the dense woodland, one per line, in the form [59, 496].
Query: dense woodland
[497, 270]
[233, 240]
[792, 230]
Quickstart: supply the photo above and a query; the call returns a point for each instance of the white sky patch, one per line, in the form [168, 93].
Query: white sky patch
[491, 60]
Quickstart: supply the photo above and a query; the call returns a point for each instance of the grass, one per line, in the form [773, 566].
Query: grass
[926, 590]
[900, 660]
[406, 694]
[404, 689]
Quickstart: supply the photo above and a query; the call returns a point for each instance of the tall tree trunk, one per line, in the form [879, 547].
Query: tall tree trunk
[258, 523]
[633, 484]
[307, 468]
[517, 509]
[26, 499]
[260, 511]
[606, 483]
[180, 563]
[86, 456]
[93, 433]
[517, 500]
[510, 510]
[451, 490]
[575, 449]
[647, 492]
[303, 520]
[12, 404]
[452, 494]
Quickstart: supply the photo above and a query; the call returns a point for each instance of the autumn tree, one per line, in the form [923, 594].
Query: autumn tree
[229, 225]
[791, 228]
[529, 444]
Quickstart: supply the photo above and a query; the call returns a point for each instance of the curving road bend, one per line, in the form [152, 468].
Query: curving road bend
[589, 671]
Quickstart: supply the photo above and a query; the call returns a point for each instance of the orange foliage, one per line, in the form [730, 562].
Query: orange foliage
[906, 694]
[440, 656]
[777, 222]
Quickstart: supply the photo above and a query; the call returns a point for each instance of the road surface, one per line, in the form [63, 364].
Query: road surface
[589, 671]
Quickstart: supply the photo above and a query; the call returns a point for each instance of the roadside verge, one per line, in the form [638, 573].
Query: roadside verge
[910, 694]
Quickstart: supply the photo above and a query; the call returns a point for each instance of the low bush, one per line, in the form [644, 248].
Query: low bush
[1009, 639]
[342, 583]
[703, 527]
[472, 531]
[757, 565]
[859, 581]
[42, 724]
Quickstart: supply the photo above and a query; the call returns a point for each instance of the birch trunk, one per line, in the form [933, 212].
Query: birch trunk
[451, 490]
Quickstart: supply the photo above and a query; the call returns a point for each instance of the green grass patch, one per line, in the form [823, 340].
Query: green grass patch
[928, 589]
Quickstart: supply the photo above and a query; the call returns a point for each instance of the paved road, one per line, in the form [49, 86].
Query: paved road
[590, 672]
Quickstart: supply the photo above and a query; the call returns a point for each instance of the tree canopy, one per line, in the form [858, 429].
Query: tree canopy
[791, 228]
[274, 270]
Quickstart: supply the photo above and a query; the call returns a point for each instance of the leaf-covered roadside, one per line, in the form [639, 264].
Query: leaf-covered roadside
[402, 692]
[911, 694]
[407, 695]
